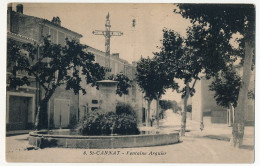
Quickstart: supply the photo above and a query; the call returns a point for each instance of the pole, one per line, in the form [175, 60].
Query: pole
[107, 42]
[107, 34]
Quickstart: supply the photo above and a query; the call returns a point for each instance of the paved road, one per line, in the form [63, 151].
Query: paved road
[191, 150]
[209, 146]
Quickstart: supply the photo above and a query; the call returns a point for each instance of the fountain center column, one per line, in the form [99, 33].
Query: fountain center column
[107, 95]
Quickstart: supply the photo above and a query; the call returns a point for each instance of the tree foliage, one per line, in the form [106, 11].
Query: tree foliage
[231, 18]
[224, 20]
[226, 87]
[123, 83]
[169, 104]
[152, 78]
[199, 52]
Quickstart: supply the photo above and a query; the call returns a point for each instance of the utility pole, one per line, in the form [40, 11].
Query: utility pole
[107, 33]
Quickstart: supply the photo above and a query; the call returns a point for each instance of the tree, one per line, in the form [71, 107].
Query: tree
[55, 66]
[186, 58]
[123, 83]
[174, 54]
[169, 104]
[153, 81]
[226, 87]
[230, 19]
[165, 104]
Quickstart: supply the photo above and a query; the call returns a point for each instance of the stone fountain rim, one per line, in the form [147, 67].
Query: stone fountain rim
[102, 142]
[41, 134]
[107, 81]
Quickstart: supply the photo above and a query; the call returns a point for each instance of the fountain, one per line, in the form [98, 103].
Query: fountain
[107, 95]
[66, 138]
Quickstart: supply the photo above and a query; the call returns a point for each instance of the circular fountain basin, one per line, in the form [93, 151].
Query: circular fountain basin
[69, 139]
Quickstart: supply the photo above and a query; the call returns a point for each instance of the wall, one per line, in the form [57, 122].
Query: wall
[197, 102]
[20, 101]
[25, 25]
[203, 100]
[61, 93]
[209, 106]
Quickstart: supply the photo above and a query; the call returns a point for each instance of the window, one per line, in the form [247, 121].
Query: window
[53, 34]
[94, 101]
[25, 54]
[61, 38]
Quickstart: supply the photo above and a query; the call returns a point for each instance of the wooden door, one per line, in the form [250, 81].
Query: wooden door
[61, 113]
[18, 111]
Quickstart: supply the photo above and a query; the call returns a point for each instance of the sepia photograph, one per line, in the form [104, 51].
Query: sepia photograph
[130, 83]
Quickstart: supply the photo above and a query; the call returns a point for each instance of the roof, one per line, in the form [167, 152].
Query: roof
[118, 59]
[20, 37]
[49, 22]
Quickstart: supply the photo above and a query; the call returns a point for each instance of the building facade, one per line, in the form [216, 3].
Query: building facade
[205, 108]
[21, 101]
[63, 105]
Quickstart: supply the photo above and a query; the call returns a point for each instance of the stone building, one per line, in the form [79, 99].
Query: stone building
[63, 105]
[20, 102]
[204, 105]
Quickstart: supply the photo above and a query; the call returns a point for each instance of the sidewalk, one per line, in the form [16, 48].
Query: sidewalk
[211, 131]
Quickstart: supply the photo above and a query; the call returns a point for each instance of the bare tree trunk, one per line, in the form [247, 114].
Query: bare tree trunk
[37, 118]
[238, 126]
[157, 113]
[41, 120]
[184, 112]
[147, 121]
[231, 113]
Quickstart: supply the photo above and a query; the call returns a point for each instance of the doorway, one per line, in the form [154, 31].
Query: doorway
[61, 113]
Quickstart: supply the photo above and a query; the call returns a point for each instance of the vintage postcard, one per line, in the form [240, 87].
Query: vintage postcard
[130, 83]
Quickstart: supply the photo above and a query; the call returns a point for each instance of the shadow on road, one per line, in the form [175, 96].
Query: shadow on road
[248, 147]
[218, 137]
[22, 139]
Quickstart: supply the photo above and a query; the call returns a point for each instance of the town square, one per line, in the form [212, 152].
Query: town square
[130, 83]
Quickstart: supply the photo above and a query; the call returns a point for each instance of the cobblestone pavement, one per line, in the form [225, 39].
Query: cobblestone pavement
[208, 146]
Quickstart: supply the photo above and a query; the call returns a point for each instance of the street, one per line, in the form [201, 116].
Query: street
[208, 146]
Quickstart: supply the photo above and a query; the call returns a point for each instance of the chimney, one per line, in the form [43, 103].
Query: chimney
[115, 55]
[19, 8]
[9, 17]
[9, 7]
[56, 20]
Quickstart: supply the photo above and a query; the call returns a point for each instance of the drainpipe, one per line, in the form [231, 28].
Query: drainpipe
[49, 114]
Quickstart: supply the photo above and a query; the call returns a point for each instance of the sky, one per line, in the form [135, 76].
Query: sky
[142, 40]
